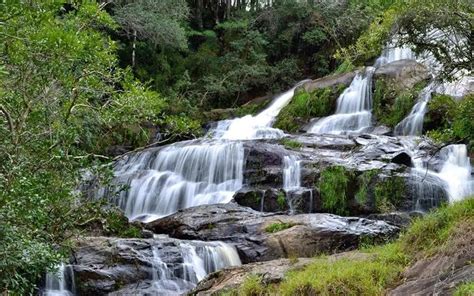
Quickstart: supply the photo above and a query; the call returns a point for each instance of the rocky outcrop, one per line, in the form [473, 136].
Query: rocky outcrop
[441, 274]
[269, 272]
[259, 237]
[404, 74]
[330, 81]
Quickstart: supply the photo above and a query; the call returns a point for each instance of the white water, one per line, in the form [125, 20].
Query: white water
[258, 126]
[291, 173]
[393, 53]
[199, 259]
[354, 106]
[60, 283]
[412, 125]
[456, 172]
[179, 176]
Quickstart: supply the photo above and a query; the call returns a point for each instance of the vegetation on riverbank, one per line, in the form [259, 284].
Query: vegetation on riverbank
[378, 268]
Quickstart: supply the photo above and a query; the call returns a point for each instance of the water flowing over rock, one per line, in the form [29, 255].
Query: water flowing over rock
[258, 126]
[306, 234]
[353, 108]
[392, 53]
[181, 175]
[60, 283]
[413, 124]
[158, 266]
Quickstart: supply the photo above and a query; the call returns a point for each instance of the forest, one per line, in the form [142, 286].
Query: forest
[136, 134]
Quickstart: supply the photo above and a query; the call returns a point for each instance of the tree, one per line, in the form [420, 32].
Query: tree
[157, 22]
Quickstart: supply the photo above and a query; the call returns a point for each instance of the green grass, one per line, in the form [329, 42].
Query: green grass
[466, 289]
[364, 182]
[281, 200]
[278, 226]
[389, 193]
[333, 187]
[291, 144]
[374, 269]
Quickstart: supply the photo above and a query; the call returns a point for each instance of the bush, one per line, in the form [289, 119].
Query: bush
[291, 144]
[441, 112]
[278, 226]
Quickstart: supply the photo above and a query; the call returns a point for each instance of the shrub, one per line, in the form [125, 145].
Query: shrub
[291, 144]
[278, 226]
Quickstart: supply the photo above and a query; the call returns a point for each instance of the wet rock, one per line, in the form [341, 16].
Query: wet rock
[263, 200]
[402, 158]
[303, 200]
[252, 233]
[405, 74]
[399, 219]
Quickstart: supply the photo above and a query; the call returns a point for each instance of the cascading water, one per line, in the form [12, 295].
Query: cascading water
[393, 53]
[354, 106]
[162, 181]
[60, 283]
[256, 127]
[456, 172]
[198, 260]
[413, 123]
[291, 173]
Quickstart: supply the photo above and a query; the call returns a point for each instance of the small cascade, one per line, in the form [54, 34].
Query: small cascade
[198, 260]
[255, 127]
[291, 173]
[392, 53]
[60, 283]
[354, 106]
[456, 172]
[413, 124]
[162, 181]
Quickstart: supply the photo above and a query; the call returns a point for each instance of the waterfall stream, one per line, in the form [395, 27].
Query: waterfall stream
[198, 260]
[60, 283]
[354, 106]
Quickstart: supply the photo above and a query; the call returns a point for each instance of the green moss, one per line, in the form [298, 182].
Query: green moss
[333, 186]
[291, 144]
[466, 289]
[392, 105]
[305, 105]
[278, 226]
[375, 269]
[251, 108]
[389, 193]
[281, 200]
[364, 182]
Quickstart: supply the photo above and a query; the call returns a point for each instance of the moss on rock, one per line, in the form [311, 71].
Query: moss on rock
[306, 105]
[391, 104]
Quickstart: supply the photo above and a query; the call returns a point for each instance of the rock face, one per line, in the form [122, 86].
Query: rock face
[259, 237]
[403, 73]
[157, 266]
[441, 274]
[330, 81]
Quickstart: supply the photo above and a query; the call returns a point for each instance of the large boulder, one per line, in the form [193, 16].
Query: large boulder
[259, 236]
[404, 74]
[330, 81]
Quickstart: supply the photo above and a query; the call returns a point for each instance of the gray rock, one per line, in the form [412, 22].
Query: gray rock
[305, 235]
[330, 81]
[403, 74]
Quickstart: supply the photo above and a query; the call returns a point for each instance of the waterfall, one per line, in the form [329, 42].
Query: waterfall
[456, 172]
[291, 173]
[162, 181]
[413, 123]
[60, 283]
[198, 260]
[258, 126]
[354, 106]
[392, 53]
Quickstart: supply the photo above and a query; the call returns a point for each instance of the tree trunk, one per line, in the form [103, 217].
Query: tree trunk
[199, 8]
[134, 46]
[229, 4]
